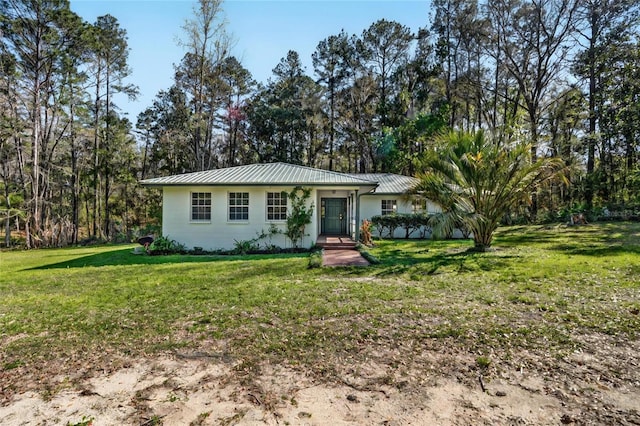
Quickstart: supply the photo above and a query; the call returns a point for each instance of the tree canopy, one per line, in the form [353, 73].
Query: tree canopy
[477, 181]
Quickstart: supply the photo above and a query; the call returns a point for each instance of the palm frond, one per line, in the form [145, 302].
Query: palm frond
[476, 181]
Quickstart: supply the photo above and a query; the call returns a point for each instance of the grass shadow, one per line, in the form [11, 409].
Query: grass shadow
[522, 235]
[437, 261]
[126, 256]
[597, 250]
[597, 239]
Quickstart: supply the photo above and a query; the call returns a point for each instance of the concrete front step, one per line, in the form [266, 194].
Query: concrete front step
[336, 242]
[338, 246]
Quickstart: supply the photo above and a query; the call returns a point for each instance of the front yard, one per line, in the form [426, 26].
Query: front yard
[551, 314]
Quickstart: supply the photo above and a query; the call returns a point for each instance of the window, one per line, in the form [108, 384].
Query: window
[276, 206]
[389, 207]
[238, 206]
[419, 206]
[200, 206]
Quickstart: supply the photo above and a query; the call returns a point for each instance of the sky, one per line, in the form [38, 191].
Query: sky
[263, 31]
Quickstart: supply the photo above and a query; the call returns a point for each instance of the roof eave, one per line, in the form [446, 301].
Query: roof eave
[324, 184]
[389, 193]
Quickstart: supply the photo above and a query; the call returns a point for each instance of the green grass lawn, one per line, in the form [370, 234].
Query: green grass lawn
[540, 288]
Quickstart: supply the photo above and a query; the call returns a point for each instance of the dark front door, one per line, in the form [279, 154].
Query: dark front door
[334, 216]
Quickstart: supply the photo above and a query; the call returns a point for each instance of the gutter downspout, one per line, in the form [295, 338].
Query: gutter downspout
[357, 233]
[357, 230]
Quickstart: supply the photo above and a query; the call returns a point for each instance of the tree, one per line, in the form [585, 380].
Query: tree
[330, 64]
[10, 128]
[384, 47]
[109, 66]
[407, 143]
[74, 99]
[282, 116]
[238, 84]
[419, 79]
[563, 118]
[460, 33]
[602, 26]
[198, 75]
[477, 181]
[166, 127]
[357, 104]
[37, 34]
[534, 38]
[618, 122]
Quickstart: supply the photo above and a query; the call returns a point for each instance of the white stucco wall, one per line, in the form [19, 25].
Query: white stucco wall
[219, 232]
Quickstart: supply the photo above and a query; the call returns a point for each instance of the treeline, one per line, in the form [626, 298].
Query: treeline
[68, 159]
[559, 74]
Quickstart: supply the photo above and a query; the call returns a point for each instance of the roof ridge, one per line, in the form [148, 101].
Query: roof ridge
[380, 173]
[322, 170]
[260, 173]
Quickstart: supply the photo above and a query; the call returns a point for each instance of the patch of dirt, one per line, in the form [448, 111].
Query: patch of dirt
[600, 384]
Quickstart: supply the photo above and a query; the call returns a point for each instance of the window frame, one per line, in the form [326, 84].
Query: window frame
[384, 211]
[201, 203]
[236, 210]
[282, 214]
[418, 205]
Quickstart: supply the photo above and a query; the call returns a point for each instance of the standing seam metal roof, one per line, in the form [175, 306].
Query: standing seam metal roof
[262, 174]
[389, 183]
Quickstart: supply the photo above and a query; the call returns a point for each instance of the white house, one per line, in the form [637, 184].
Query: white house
[215, 209]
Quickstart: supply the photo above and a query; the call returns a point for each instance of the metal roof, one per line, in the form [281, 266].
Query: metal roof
[389, 183]
[263, 174]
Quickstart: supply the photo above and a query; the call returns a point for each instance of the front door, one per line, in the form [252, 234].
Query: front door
[334, 216]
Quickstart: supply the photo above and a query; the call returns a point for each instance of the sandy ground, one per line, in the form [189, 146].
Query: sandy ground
[196, 389]
[183, 392]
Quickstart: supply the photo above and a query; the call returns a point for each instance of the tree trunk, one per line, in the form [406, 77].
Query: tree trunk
[534, 158]
[7, 196]
[107, 158]
[591, 136]
[74, 167]
[96, 156]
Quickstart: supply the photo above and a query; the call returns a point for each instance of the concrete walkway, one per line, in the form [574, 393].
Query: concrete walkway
[343, 258]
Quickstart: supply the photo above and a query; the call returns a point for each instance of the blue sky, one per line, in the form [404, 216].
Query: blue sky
[264, 31]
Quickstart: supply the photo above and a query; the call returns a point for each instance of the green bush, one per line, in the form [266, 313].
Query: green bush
[165, 245]
[245, 246]
[315, 259]
[300, 214]
[368, 256]
[411, 223]
[386, 224]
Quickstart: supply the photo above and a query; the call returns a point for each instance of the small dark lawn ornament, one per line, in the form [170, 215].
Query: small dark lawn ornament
[146, 242]
[578, 219]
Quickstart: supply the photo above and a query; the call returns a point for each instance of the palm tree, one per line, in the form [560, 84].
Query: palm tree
[477, 181]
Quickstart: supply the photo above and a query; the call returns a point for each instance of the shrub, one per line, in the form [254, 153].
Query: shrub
[253, 245]
[92, 241]
[315, 259]
[165, 245]
[300, 214]
[386, 224]
[411, 223]
[368, 256]
[365, 232]
[245, 246]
